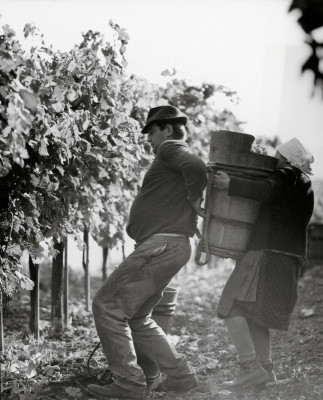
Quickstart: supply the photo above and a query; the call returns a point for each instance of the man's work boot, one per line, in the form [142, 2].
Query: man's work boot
[114, 392]
[251, 373]
[178, 385]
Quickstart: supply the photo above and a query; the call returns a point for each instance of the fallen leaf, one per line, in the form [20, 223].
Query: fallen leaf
[50, 370]
[31, 370]
[212, 384]
[205, 344]
[307, 312]
[73, 391]
[224, 392]
[174, 339]
[14, 368]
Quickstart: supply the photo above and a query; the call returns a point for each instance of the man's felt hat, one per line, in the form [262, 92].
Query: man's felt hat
[164, 113]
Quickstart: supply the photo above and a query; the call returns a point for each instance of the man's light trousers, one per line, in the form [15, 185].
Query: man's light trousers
[122, 311]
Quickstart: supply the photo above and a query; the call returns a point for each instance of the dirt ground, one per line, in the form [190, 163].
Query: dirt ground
[55, 368]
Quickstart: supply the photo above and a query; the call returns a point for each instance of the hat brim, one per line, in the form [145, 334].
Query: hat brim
[175, 119]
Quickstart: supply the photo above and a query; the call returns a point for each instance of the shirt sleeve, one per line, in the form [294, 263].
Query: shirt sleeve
[269, 190]
[178, 156]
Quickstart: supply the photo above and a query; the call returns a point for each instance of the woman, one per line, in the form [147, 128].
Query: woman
[261, 292]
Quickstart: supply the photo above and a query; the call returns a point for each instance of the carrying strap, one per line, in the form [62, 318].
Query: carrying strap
[204, 241]
[198, 233]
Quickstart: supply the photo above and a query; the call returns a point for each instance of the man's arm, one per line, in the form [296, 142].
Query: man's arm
[177, 156]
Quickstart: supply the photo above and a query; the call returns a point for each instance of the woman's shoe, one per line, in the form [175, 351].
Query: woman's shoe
[251, 374]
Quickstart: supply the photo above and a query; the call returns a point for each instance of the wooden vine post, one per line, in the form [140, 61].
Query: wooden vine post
[1, 324]
[1, 339]
[66, 282]
[123, 251]
[105, 253]
[86, 268]
[34, 299]
[57, 288]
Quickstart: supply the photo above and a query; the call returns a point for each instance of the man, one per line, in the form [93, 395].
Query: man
[162, 217]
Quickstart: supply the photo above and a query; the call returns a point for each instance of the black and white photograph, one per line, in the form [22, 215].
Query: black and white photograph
[161, 199]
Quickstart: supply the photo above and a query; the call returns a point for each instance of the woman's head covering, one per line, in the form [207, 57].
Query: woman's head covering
[297, 155]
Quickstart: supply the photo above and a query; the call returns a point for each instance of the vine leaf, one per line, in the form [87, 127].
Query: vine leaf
[25, 282]
[31, 370]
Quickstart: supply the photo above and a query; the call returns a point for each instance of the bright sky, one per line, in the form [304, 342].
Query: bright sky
[252, 46]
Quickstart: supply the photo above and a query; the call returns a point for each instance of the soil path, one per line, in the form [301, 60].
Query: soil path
[56, 369]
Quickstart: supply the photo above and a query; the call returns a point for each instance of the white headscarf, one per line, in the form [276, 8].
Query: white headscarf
[297, 155]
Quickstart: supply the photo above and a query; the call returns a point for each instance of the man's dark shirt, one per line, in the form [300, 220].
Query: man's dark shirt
[162, 204]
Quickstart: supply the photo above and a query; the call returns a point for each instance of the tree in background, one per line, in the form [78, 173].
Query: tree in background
[311, 19]
[198, 101]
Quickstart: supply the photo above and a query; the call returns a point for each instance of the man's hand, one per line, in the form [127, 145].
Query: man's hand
[197, 207]
[221, 180]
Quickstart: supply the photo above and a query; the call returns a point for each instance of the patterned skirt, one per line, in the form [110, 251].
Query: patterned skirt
[263, 287]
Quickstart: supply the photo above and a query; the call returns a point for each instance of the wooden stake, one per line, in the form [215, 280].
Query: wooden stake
[1, 324]
[86, 269]
[34, 299]
[1, 339]
[57, 289]
[123, 251]
[105, 253]
[66, 282]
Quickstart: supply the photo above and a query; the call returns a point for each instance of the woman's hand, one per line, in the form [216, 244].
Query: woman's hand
[221, 180]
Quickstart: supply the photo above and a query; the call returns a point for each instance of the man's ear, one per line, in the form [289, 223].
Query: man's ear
[169, 130]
